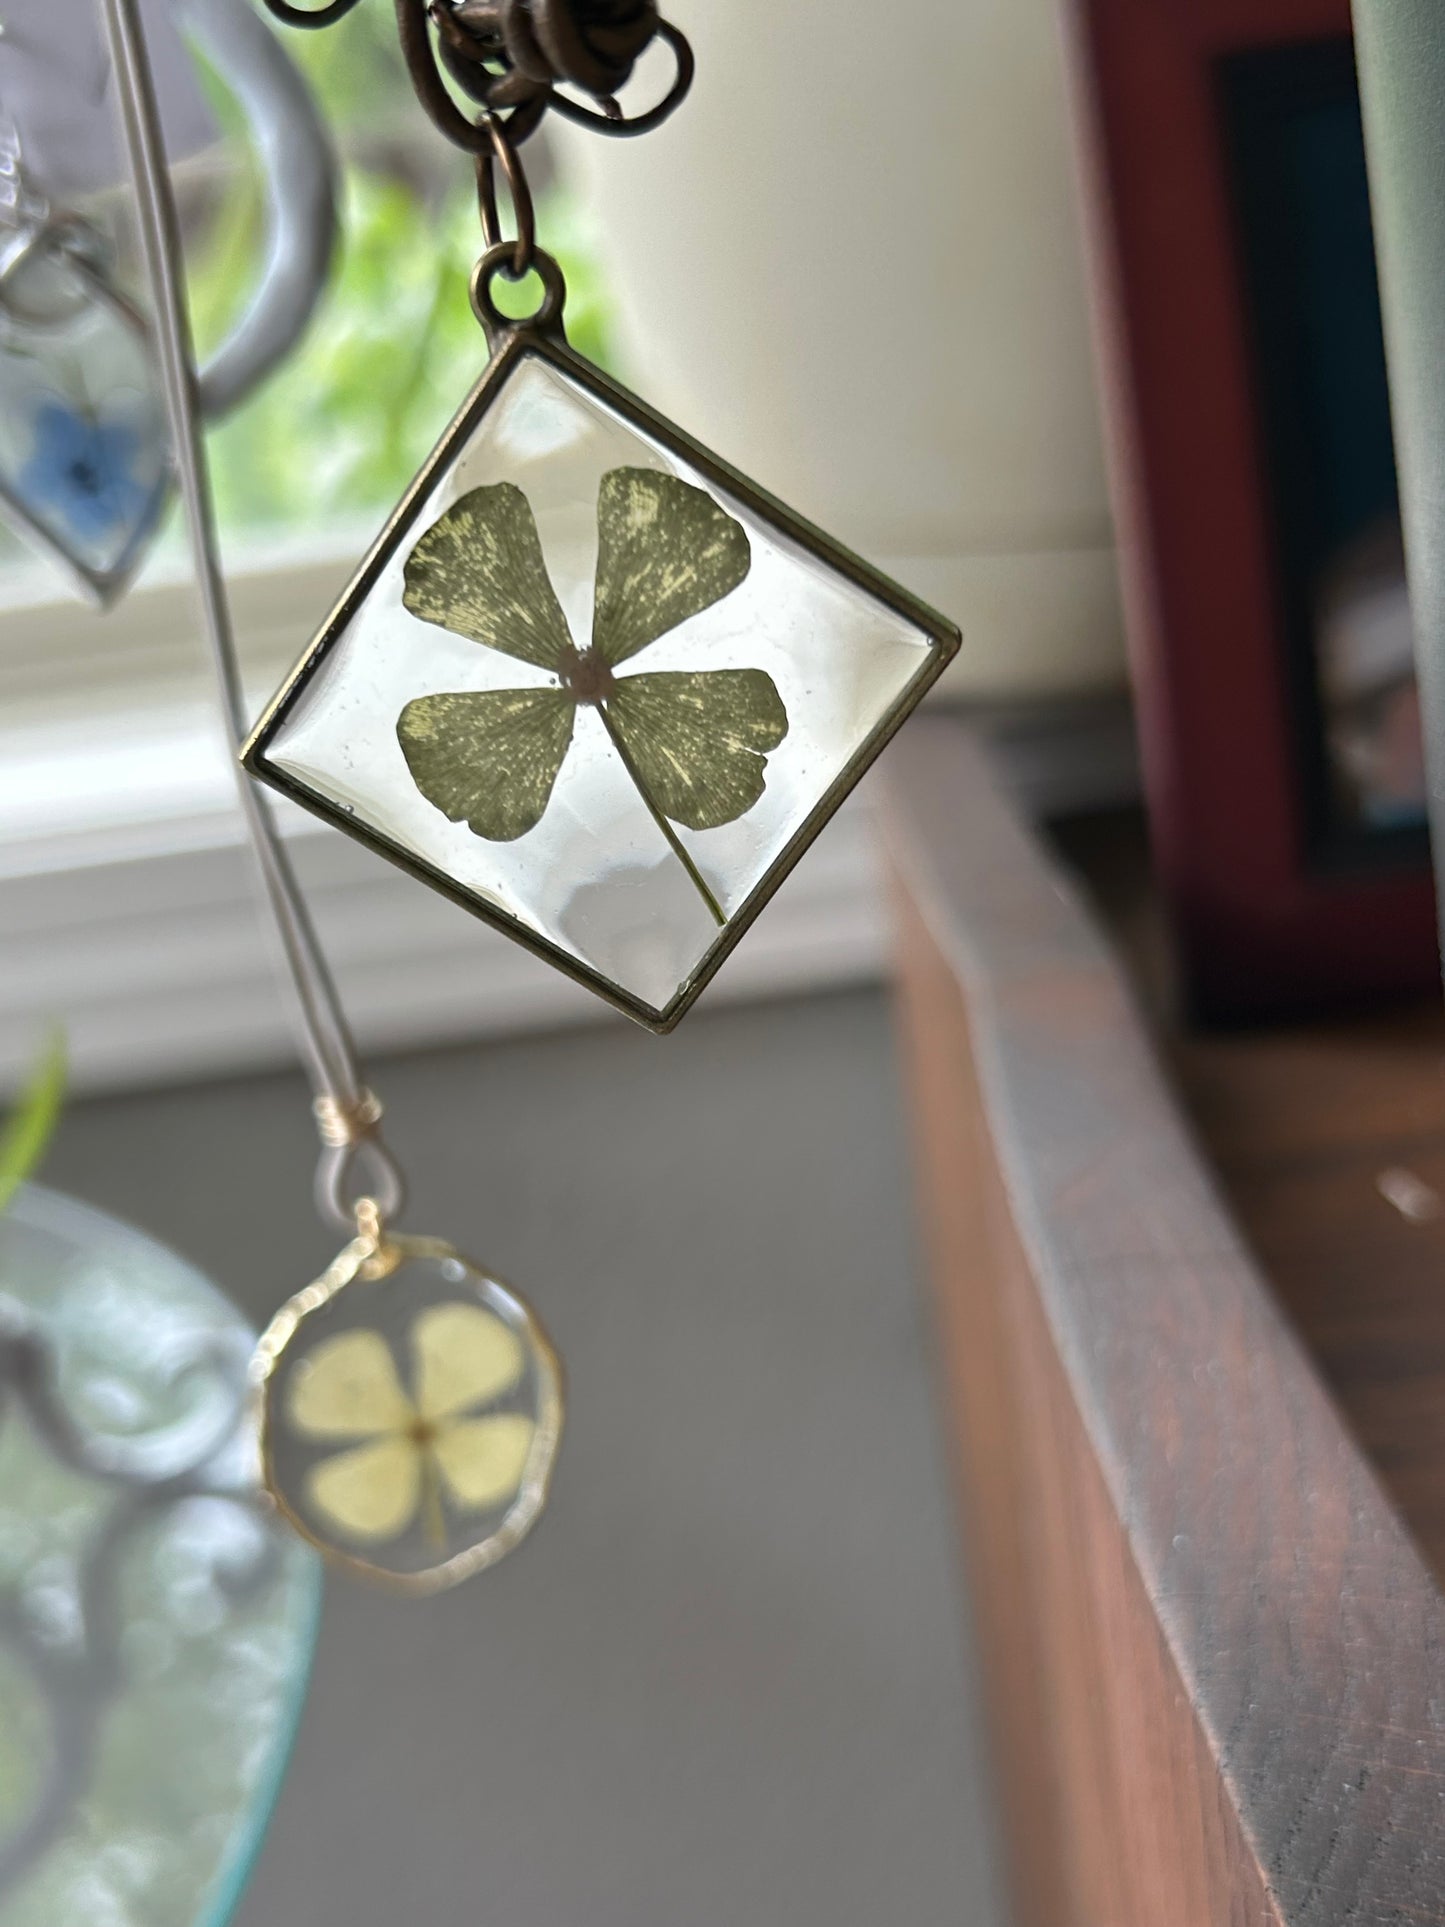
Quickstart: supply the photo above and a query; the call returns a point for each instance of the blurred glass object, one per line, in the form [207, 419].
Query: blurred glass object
[156, 1625]
[343, 428]
[337, 433]
[56, 96]
[1302, 199]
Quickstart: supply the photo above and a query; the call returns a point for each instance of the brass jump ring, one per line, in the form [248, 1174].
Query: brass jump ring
[546, 316]
[347, 1173]
[502, 151]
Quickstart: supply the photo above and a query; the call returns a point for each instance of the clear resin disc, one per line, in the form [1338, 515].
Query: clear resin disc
[595, 685]
[410, 1410]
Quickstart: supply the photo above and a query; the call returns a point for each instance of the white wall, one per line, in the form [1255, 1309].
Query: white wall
[851, 263]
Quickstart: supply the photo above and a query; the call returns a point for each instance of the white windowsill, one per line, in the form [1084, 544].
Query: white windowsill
[126, 908]
[126, 911]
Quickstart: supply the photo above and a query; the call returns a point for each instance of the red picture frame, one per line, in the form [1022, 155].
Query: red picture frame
[1264, 928]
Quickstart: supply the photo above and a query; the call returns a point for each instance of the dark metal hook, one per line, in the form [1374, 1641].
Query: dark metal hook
[310, 16]
[513, 56]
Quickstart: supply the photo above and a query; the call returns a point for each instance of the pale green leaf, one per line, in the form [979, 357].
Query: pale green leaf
[30, 1126]
[347, 1388]
[463, 1357]
[488, 758]
[665, 552]
[370, 1493]
[697, 742]
[479, 571]
[483, 1460]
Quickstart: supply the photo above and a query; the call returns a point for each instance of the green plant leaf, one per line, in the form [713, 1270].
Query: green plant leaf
[31, 1125]
[479, 572]
[697, 741]
[665, 551]
[488, 758]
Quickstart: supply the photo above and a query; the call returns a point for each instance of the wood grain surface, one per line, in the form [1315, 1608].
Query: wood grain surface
[1214, 1647]
[1328, 1140]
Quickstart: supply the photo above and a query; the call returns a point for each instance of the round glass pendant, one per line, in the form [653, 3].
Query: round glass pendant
[410, 1408]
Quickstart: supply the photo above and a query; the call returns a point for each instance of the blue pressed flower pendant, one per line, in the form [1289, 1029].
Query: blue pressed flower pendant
[84, 454]
[592, 683]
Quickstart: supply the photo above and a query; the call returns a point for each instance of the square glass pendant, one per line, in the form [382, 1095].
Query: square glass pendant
[595, 686]
[84, 450]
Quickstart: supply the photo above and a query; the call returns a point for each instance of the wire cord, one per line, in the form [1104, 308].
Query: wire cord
[349, 1110]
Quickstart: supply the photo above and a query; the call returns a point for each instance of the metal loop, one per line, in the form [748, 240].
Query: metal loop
[621, 126]
[541, 44]
[516, 54]
[502, 151]
[473, 137]
[545, 318]
[431, 89]
[310, 16]
[349, 1173]
[350, 1134]
[593, 46]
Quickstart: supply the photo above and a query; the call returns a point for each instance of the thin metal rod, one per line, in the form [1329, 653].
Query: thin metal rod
[323, 1032]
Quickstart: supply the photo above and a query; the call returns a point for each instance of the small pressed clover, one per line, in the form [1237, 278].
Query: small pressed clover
[694, 742]
[411, 1451]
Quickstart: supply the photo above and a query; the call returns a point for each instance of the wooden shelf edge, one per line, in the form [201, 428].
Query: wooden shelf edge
[1213, 1643]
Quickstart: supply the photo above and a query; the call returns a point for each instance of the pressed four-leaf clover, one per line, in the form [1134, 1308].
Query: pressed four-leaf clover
[407, 1452]
[694, 742]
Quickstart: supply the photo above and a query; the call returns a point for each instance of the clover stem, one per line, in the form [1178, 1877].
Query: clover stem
[431, 1500]
[661, 821]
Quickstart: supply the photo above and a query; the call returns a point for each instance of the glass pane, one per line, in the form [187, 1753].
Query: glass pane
[647, 842]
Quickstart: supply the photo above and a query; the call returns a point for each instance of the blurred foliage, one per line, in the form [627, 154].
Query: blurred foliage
[31, 1125]
[394, 346]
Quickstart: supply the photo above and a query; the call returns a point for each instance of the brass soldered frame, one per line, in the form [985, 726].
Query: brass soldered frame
[539, 338]
[373, 1256]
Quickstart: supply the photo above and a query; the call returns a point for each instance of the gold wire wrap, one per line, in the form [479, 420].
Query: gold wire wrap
[339, 1124]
